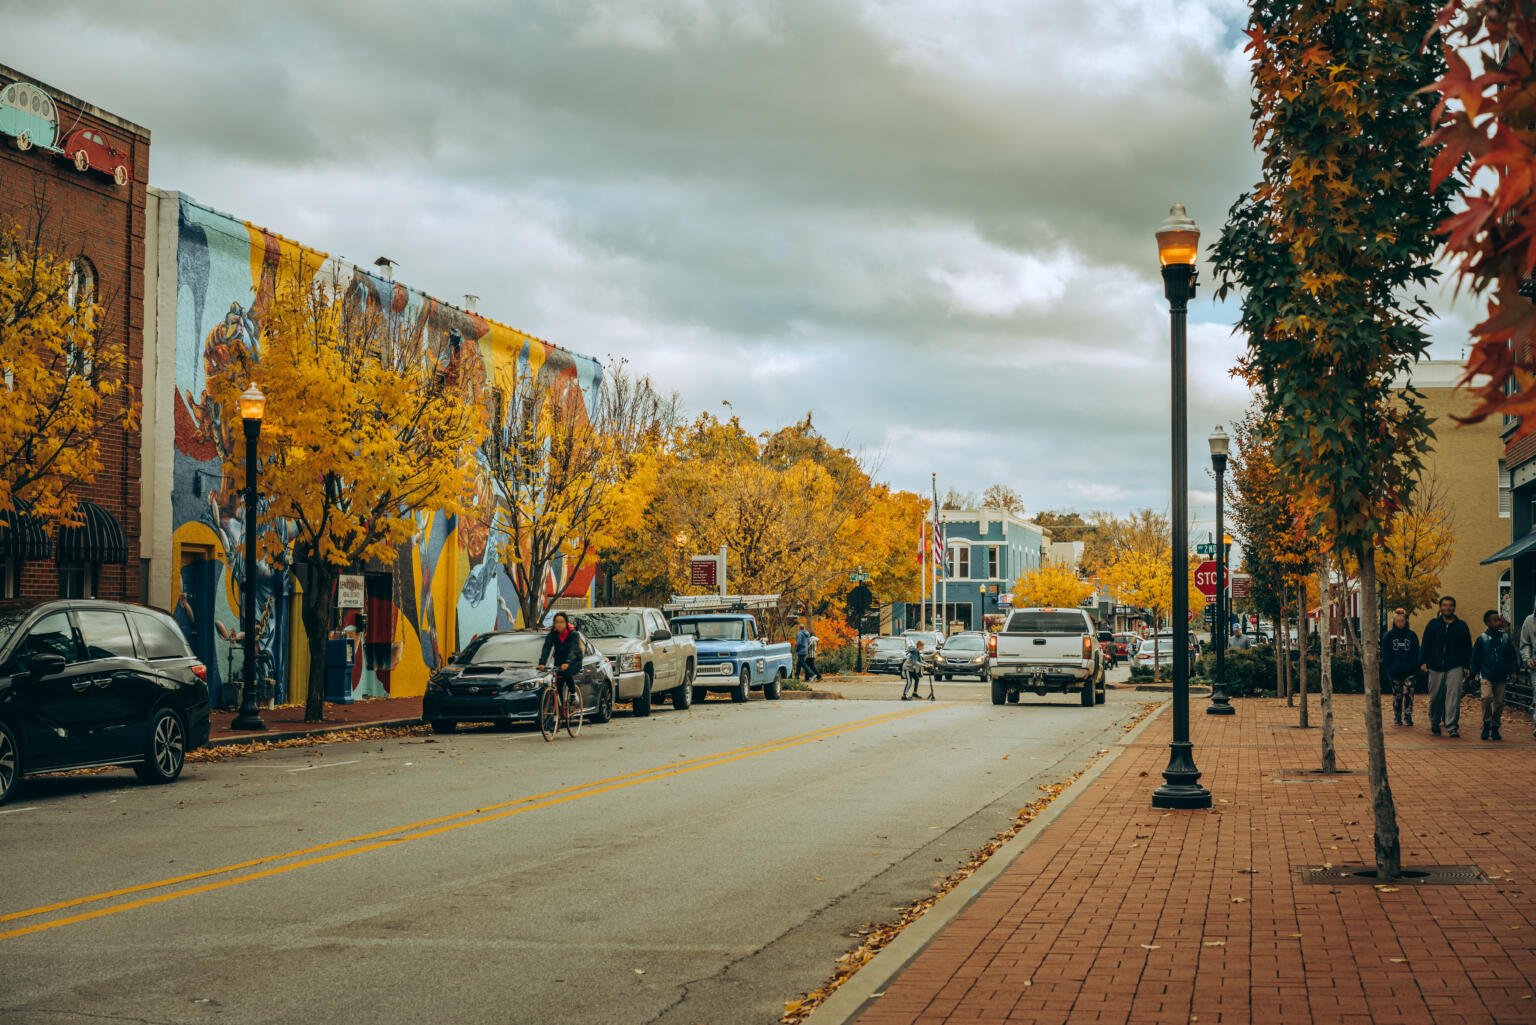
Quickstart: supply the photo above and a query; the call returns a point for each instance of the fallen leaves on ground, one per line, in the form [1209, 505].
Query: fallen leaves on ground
[228, 752]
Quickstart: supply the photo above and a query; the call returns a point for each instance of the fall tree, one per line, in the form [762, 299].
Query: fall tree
[1418, 545]
[558, 468]
[63, 378]
[1053, 584]
[368, 424]
[1328, 250]
[1142, 575]
[1001, 496]
[1484, 126]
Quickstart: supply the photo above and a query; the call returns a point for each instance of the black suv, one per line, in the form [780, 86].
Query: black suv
[86, 683]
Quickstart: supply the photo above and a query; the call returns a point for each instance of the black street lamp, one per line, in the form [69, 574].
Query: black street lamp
[1178, 246]
[1220, 703]
[252, 405]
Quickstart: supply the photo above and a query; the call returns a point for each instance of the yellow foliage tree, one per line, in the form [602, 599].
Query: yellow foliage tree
[1142, 575]
[368, 425]
[1053, 584]
[62, 378]
[1418, 545]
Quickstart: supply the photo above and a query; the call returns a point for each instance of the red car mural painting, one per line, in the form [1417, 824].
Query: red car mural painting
[92, 152]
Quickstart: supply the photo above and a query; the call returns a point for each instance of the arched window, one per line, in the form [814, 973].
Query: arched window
[82, 281]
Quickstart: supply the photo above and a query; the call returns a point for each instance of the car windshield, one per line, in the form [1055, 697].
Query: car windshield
[511, 649]
[597, 626]
[965, 642]
[889, 644]
[1046, 623]
[711, 629]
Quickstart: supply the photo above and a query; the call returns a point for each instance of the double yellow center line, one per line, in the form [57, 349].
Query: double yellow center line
[270, 865]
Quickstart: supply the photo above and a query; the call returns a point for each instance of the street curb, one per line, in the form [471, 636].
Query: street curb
[265, 738]
[854, 996]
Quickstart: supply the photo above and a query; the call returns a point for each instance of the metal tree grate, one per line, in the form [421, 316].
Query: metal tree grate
[1365, 875]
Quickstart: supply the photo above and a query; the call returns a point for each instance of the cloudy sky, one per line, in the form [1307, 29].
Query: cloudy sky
[926, 222]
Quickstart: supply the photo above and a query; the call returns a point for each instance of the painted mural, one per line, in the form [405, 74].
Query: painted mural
[443, 589]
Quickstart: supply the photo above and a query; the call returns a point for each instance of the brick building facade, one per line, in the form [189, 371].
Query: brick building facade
[99, 224]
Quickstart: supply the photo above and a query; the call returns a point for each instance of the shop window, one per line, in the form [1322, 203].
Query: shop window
[82, 281]
[1504, 490]
[77, 579]
[10, 578]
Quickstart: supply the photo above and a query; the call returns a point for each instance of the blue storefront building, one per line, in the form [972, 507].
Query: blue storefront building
[988, 549]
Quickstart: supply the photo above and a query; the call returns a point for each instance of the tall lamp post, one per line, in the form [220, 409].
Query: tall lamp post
[1220, 703]
[252, 405]
[1178, 246]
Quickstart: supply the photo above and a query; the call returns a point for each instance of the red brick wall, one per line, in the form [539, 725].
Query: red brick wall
[91, 216]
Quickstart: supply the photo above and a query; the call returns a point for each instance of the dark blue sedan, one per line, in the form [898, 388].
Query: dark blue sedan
[496, 679]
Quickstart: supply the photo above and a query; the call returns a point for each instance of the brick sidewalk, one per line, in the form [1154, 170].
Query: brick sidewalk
[286, 720]
[1121, 913]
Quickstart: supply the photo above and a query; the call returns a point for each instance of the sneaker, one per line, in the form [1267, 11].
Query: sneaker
[1435, 729]
[1485, 733]
[1397, 722]
[1408, 722]
[1453, 734]
[1494, 735]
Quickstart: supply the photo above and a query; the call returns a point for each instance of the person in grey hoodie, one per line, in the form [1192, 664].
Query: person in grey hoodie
[1527, 646]
[1400, 660]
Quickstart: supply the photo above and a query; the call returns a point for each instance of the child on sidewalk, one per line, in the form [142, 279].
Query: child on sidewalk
[1493, 663]
[912, 674]
[1400, 660]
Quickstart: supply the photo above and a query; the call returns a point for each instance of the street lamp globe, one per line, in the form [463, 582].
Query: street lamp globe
[252, 404]
[1220, 447]
[1178, 239]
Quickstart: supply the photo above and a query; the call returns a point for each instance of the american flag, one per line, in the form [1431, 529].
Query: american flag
[938, 541]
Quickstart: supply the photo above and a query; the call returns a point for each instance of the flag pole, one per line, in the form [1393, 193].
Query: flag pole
[938, 552]
[922, 578]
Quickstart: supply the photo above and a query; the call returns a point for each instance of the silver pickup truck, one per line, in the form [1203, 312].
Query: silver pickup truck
[647, 658]
[1045, 650]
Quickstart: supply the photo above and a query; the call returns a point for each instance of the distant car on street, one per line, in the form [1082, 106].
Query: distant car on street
[886, 654]
[964, 654]
[933, 643]
[87, 683]
[731, 645]
[496, 679]
[1124, 646]
[648, 660]
[1044, 650]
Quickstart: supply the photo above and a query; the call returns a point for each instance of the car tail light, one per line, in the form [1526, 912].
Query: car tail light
[1087, 646]
[992, 646]
[200, 671]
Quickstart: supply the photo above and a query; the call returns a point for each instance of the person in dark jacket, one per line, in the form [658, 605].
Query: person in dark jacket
[1446, 651]
[1400, 660]
[562, 649]
[1493, 663]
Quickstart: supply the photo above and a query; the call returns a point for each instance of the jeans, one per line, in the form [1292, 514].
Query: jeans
[1493, 703]
[1445, 697]
[1402, 700]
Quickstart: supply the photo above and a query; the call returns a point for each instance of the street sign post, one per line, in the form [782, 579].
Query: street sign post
[1205, 579]
[1205, 548]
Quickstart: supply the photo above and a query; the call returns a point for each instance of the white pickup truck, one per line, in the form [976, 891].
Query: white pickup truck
[1044, 650]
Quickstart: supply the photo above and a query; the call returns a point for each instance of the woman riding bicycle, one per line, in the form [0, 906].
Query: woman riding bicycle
[563, 642]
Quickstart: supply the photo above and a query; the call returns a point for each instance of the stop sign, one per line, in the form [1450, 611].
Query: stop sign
[1205, 578]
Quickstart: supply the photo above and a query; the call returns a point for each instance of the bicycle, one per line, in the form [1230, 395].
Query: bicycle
[557, 709]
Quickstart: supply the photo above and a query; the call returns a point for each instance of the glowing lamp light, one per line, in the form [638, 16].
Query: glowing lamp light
[252, 404]
[1178, 240]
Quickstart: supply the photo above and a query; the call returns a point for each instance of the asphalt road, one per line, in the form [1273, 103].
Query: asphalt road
[695, 868]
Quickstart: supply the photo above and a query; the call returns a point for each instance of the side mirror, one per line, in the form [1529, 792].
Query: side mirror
[661, 635]
[45, 664]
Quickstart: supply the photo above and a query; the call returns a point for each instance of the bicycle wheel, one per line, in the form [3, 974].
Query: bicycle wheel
[573, 712]
[549, 713]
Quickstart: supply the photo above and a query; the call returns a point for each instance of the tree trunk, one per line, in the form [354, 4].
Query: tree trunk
[1283, 628]
[1279, 647]
[1301, 655]
[1330, 760]
[1389, 863]
[315, 609]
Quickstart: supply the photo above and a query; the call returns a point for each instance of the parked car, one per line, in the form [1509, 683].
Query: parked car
[964, 654]
[1047, 649]
[886, 654]
[86, 683]
[730, 647]
[91, 151]
[496, 679]
[1162, 646]
[933, 643]
[1125, 646]
[646, 658]
[1107, 646]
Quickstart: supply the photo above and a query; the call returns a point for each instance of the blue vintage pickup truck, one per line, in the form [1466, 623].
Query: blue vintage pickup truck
[733, 657]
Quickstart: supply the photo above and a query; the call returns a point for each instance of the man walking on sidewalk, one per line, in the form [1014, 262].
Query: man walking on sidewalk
[1447, 651]
[802, 652]
[1400, 660]
[1493, 663]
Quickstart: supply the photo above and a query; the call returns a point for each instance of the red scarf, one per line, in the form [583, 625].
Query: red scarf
[563, 634]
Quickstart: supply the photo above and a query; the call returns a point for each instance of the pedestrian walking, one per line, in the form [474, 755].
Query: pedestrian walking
[1400, 660]
[1493, 663]
[1527, 647]
[1239, 641]
[802, 651]
[1447, 651]
[811, 654]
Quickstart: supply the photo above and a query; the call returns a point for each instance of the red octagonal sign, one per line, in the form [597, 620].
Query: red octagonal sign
[1205, 578]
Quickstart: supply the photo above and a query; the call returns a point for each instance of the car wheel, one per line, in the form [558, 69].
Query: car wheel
[1013, 697]
[682, 694]
[999, 692]
[10, 762]
[24, 141]
[641, 706]
[743, 688]
[444, 726]
[82, 160]
[120, 175]
[1089, 692]
[604, 711]
[165, 749]
[773, 688]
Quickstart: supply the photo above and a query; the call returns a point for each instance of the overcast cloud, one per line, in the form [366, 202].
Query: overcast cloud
[927, 222]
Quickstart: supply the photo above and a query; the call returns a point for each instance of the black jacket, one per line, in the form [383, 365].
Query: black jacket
[1400, 653]
[1493, 657]
[567, 653]
[1447, 645]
